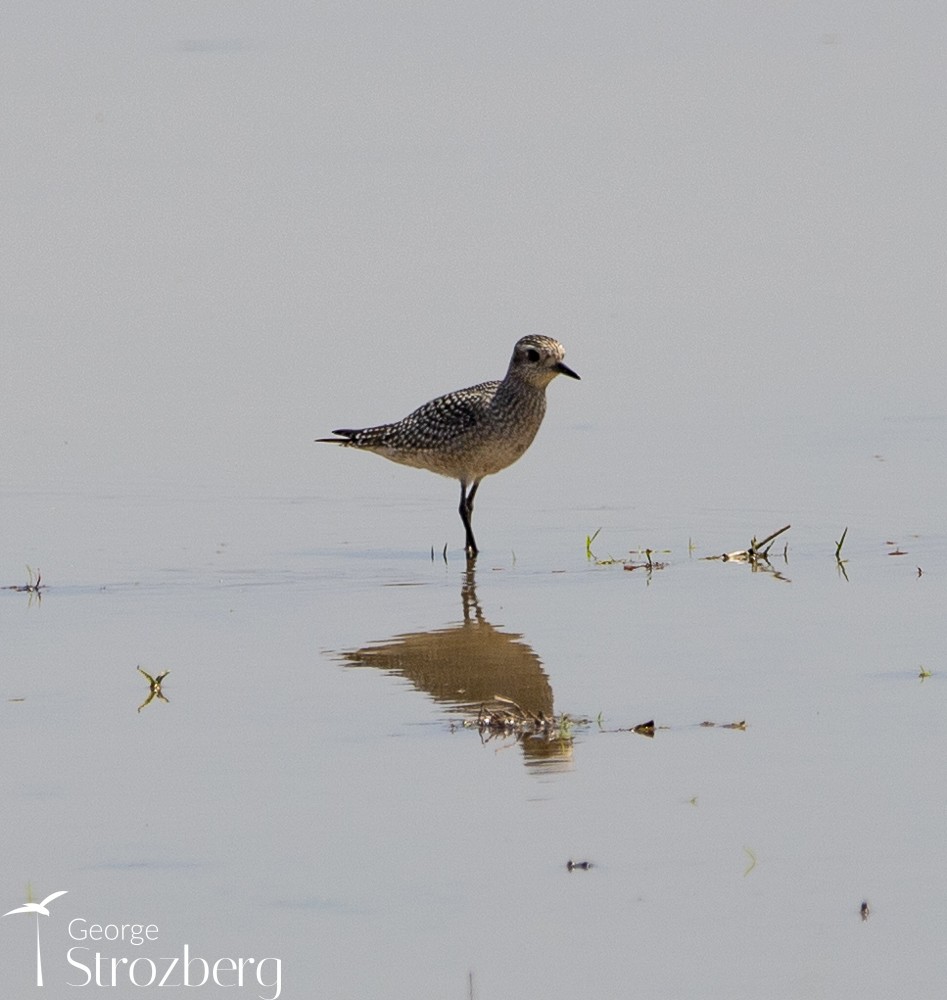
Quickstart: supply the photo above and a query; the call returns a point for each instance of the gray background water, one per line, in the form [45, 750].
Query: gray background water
[228, 229]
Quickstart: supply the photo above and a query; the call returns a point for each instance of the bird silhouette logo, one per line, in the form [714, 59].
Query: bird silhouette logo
[39, 909]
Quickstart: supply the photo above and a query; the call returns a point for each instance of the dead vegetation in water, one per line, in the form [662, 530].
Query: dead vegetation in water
[33, 586]
[756, 553]
[839, 561]
[154, 687]
[503, 719]
[637, 558]
[649, 728]
[759, 555]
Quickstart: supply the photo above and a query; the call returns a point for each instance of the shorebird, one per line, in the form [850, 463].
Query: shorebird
[474, 432]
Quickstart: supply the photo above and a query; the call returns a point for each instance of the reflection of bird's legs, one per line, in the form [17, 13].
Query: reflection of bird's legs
[468, 595]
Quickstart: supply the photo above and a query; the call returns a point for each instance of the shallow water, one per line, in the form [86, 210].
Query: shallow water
[226, 237]
[311, 767]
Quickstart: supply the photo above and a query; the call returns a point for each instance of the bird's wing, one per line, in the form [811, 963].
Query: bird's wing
[29, 908]
[52, 896]
[450, 415]
[439, 420]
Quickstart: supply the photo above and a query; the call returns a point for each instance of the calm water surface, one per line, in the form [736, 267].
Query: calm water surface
[309, 789]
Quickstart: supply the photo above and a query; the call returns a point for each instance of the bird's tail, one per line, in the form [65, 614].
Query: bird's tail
[345, 437]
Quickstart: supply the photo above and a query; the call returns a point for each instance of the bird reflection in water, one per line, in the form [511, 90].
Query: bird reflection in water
[480, 672]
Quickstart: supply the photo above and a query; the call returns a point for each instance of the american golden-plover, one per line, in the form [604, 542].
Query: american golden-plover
[475, 432]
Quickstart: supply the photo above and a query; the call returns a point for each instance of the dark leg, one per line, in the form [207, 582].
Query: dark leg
[466, 514]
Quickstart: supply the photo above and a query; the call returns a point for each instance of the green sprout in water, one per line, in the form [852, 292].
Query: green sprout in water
[589, 554]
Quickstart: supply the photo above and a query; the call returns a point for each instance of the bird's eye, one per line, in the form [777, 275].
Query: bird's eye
[532, 355]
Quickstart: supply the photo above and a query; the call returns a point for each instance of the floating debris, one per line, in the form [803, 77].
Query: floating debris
[864, 910]
[642, 729]
[580, 865]
[154, 683]
[34, 586]
[504, 718]
[757, 551]
[649, 564]
[839, 561]
[649, 728]
[757, 555]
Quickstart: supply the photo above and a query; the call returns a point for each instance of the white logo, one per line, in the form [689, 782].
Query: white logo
[127, 954]
[38, 908]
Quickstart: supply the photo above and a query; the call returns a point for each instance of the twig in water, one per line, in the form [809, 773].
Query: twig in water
[839, 561]
[757, 550]
[33, 586]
